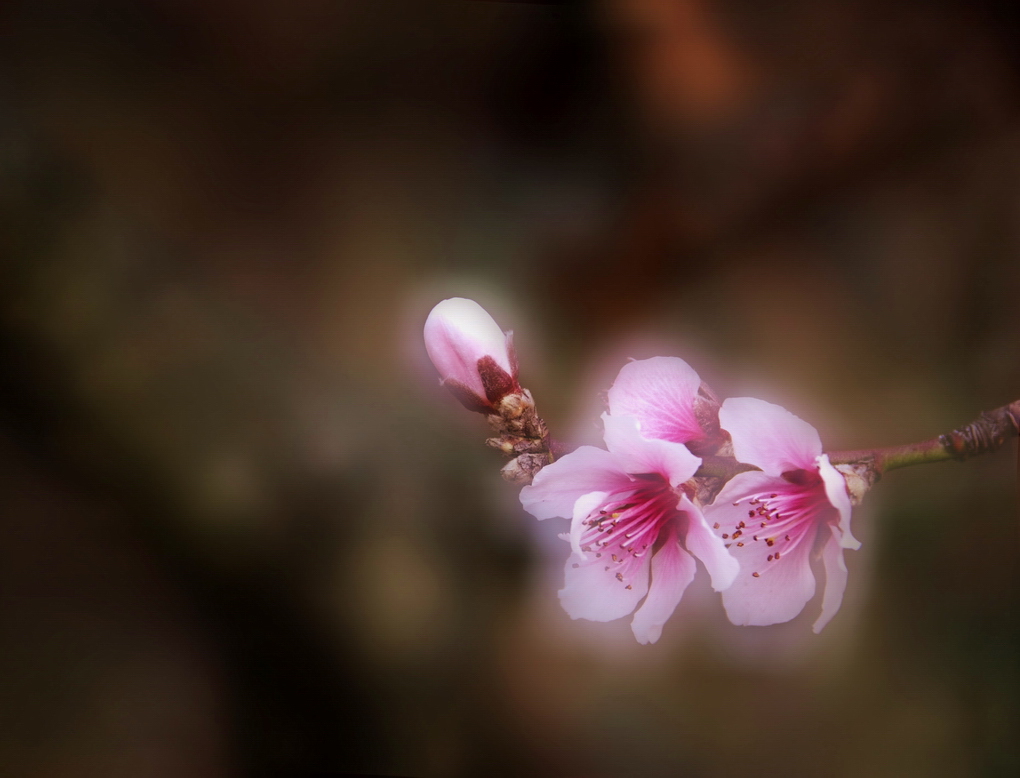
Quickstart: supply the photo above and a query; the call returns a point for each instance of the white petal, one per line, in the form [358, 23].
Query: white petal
[835, 580]
[582, 510]
[672, 571]
[835, 490]
[769, 436]
[708, 547]
[556, 487]
[594, 593]
[638, 454]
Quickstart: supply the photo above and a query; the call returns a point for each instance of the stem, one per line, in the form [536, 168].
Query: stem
[985, 434]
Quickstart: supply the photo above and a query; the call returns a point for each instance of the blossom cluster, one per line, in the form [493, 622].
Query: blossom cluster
[640, 516]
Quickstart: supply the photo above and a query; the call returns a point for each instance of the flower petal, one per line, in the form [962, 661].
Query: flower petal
[708, 547]
[594, 593]
[782, 587]
[660, 392]
[638, 454]
[557, 486]
[769, 436]
[582, 510]
[835, 580]
[672, 571]
[835, 490]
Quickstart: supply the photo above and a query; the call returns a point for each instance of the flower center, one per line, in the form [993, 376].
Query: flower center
[628, 524]
[782, 518]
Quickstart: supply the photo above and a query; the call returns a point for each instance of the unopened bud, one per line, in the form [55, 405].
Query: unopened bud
[475, 359]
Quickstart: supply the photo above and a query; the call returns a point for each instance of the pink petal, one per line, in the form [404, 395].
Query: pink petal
[582, 510]
[835, 490]
[557, 487]
[835, 580]
[672, 571]
[660, 392]
[638, 454]
[459, 332]
[768, 436]
[594, 593]
[708, 547]
[782, 587]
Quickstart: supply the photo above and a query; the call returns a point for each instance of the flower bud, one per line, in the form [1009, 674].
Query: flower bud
[475, 359]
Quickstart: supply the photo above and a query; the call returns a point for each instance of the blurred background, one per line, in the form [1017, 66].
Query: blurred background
[243, 532]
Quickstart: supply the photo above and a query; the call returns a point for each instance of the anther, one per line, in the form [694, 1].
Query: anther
[716, 525]
[755, 575]
[777, 555]
[769, 559]
[771, 541]
[619, 576]
[724, 536]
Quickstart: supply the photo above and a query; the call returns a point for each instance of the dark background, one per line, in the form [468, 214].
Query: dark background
[242, 532]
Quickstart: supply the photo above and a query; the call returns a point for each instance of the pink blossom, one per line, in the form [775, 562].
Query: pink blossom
[475, 359]
[631, 519]
[772, 520]
[662, 393]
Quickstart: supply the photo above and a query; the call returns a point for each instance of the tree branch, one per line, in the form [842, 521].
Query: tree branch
[985, 434]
